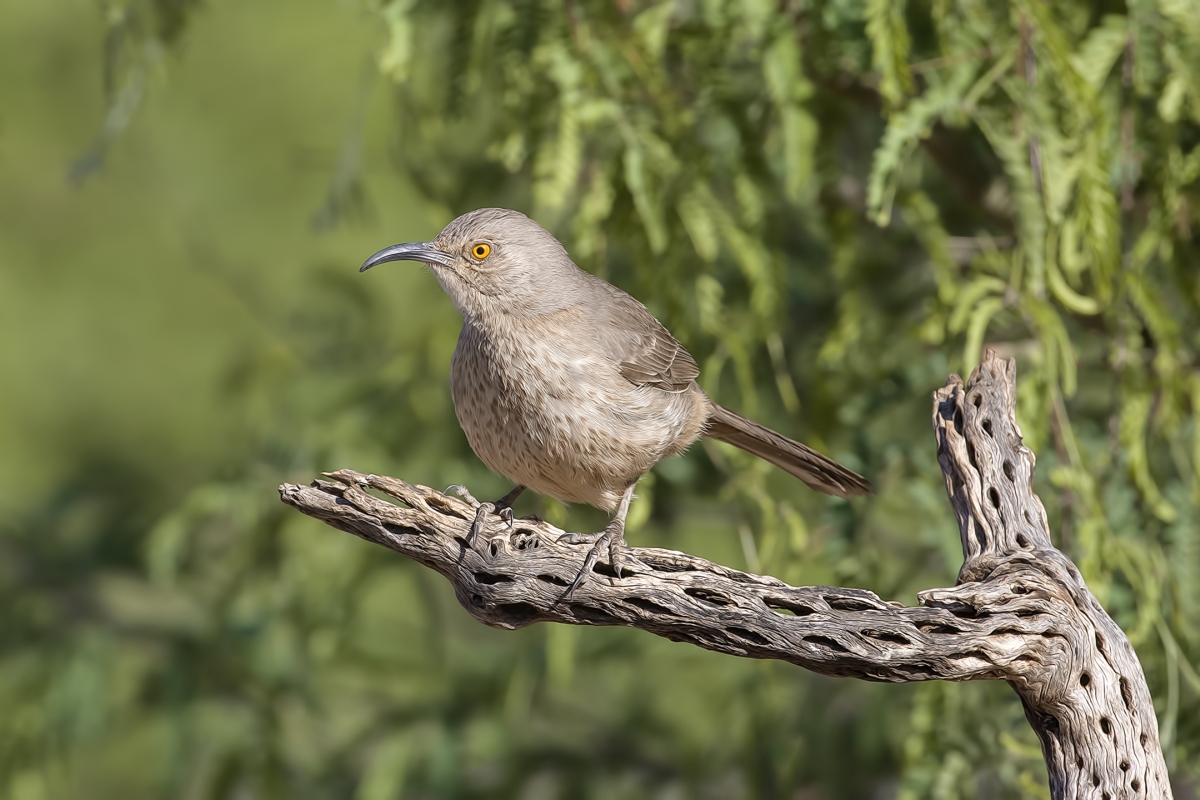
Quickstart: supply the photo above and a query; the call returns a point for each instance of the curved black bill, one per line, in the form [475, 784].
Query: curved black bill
[410, 251]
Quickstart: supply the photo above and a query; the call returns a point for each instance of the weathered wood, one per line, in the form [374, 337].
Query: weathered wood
[1020, 611]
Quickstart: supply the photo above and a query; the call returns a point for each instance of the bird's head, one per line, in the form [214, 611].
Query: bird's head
[495, 259]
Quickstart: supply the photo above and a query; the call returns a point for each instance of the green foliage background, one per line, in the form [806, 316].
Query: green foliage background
[832, 203]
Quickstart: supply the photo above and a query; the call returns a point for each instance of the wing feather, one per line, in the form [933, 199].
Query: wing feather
[644, 350]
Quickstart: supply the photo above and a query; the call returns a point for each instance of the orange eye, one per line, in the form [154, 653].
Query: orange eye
[481, 250]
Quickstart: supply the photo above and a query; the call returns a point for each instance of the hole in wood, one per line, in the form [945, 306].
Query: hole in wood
[958, 421]
[1050, 723]
[518, 613]
[554, 579]
[994, 496]
[788, 607]
[1095, 779]
[495, 548]
[604, 569]
[1022, 541]
[887, 636]
[477, 601]
[977, 400]
[491, 578]
[971, 455]
[1085, 679]
[825, 641]
[1078, 762]
[848, 604]
[987, 426]
[1126, 694]
[1105, 725]
[650, 605]
[1142, 739]
[595, 616]
[1008, 471]
[924, 671]
[749, 636]
[1135, 784]
[712, 598]
[788, 612]
[400, 530]
[1124, 765]
[926, 627]
[1019, 589]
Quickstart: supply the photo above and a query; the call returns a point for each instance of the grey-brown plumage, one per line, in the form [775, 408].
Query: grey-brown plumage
[566, 385]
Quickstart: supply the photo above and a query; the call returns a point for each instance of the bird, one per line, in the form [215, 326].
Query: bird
[568, 386]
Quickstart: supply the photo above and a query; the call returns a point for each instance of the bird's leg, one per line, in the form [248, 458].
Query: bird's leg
[501, 507]
[611, 538]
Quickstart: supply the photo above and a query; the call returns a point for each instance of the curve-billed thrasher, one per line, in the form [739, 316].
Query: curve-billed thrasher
[568, 386]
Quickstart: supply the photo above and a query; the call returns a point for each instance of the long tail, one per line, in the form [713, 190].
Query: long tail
[821, 473]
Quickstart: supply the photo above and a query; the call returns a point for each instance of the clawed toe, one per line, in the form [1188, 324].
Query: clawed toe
[462, 492]
[616, 547]
[501, 508]
[611, 539]
[481, 512]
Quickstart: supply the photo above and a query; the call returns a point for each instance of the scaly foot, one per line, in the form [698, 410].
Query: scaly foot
[611, 538]
[501, 507]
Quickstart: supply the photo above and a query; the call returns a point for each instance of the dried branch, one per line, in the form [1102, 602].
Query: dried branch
[1020, 612]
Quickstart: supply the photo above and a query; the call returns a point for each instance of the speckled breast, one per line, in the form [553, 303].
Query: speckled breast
[550, 413]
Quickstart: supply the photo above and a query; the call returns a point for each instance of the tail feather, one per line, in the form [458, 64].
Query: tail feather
[821, 473]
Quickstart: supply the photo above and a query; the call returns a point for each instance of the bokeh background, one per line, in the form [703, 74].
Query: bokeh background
[833, 204]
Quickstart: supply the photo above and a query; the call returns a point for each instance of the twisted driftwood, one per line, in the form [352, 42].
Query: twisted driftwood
[1020, 611]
